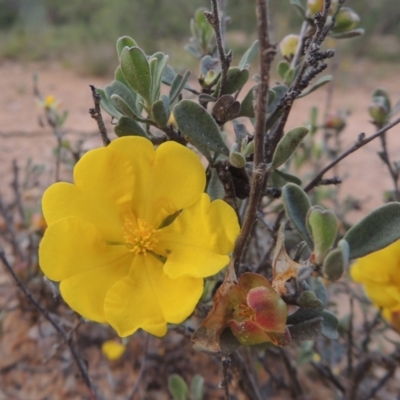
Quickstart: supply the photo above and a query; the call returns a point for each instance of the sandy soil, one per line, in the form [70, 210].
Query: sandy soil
[21, 138]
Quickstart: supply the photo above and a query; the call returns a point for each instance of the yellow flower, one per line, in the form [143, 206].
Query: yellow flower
[288, 45]
[111, 243]
[379, 272]
[112, 350]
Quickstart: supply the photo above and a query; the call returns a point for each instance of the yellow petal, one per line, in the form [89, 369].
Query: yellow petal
[71, 246]
[112, 350]
[380, 296]
[148, 299]
[198, 242]
[166, 180]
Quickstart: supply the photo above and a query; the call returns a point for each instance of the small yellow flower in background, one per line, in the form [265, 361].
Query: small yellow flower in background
[50, 101]
[113, 350]
[133, 239]
[288, 45]
[379, 272]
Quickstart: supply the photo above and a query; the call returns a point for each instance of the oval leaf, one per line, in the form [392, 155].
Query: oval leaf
[122, 42]
[199, 127]
[136, 70]
[248, 56]
[128, 127]
[297, 204]
[160, 111]
[377, 230]
[287, 145]
[320, 82]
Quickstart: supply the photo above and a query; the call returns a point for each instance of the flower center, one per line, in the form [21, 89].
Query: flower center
[140, 239]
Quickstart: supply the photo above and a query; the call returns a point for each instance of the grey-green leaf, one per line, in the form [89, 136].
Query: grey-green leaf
[122, 42]
[160, 111]
[107, 105]
[215, 188]
[123, 106]
[306, 330]
[283, 68]
[348, 34]
[177, 387]
[299, 7]
[177, 85]
[157, 62]
[322, 225]
[297, 204]
[136, 70]
[378, 229]
[199, 126]
[320, 82]
[308, 299]
[249, 55]
[287, 145]
[334, 265]
[280, 91]
[196, 387]
[288, 177]
[330, 325]
[235, 80]
[128, 127]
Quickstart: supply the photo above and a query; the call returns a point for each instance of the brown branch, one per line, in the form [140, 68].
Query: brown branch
[95, 113]
[226, 362]
[360, 142]
[226, 58]
[267, 52]
[67, 337]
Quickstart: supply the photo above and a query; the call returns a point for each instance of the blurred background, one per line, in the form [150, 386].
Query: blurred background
[82, 35]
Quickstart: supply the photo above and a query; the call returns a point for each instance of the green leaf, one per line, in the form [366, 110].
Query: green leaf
[136, 70]
[177, 387]
[199, 127]
[177, 85]
[107, 105]
[322, 225]
[157, 62]
[128, 127]
[330, 325]
[306, 330]
[122, 42]
[283, 68]
[160, 111]
[123, 106]
[287, 145]
[208, 63]
[249, 55]
[348, 34]
[280, 91]
[297, 204]
[335, 263]
[377, 230]
[196, 387]
[130, 97]
[215, 188]
[320, 82]
[308, 299]
[235, 79]
[288, 177]
[299, 8]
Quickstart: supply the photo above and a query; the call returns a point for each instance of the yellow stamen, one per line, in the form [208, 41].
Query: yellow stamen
[141, 238]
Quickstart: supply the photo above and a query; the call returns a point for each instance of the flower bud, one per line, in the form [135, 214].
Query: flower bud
[314, 6]
[336, 122]
[378, 110]
[288, 45]
[113, 350]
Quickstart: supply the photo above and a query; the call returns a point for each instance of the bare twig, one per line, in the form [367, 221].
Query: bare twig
[360, 142]
[226, 58]
[350, 339]
[247, 381]
[67, 337]
[327, 373]
[267, 52]
[95, 113]
[142, 368]
[380, 384]
[295, 387]
[226, 362]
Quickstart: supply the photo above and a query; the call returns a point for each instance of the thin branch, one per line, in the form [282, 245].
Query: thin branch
[360, 142]
[142, 368]
[226, 362]
[226, 58]
[95, 113]
[295, 387]
[380, 384]
[67, 337]
[267, 52]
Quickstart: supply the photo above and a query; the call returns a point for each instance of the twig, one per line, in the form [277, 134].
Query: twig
[226, 58]
[295, 387]
[142, 367]
[247, 381]
[95, 113]
[393, 173]
[226, 362]
[327, 373]
[67, 337]
[350, 339]
[358, 374]
[368, 330]
[267, 52]
[360, 142]
[16, 188]
[380, 384]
